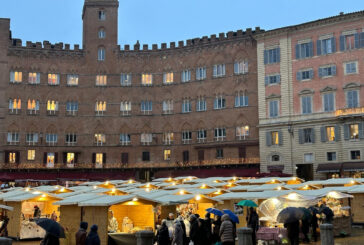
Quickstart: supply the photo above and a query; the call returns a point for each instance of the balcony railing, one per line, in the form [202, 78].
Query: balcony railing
[213, 162]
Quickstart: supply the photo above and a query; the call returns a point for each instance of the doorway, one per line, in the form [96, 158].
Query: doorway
[304, 171]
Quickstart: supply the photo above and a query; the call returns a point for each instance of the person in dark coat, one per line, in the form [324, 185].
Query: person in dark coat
[177, 233]
[92, 237]
[163, 234]
[195, 235]
[253, 223]
[50, 239]
[207, 228]
[81, 234]
[4, 227]
[305, 228]
[314, 222]
[293, 230]
[37, 213]
[329, 215]
[216, 229]
[185, 239]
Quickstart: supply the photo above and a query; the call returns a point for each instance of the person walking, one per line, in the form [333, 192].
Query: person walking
[314, 222]
[81, 234]
[253, 223]
[227, 231]
[92, 237]
[50, 239]
[216, 224]
[182, 222]
[305, 228]
[195, 235]
[177, 233]
[208, 228]
[293, 230]
[163, 234]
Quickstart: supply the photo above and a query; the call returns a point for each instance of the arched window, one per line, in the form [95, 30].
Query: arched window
[275, 158]
[101, 54]
[102, 33]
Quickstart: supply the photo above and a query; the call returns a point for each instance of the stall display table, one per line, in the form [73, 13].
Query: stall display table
[342, 225]
[271, 234]
[122, 238]
[29, 229]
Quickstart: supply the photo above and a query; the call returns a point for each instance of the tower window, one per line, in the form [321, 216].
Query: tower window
[102, 33]
[102, 15]
[101, 54]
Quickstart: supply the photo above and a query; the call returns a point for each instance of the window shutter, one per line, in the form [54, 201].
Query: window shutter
[311, 74]
[12, 76]
[333, 69]
[103, 157]
[300, 136]
[337, 133]
[356, 40]
[57, 78]
[56, 157]
[236, 67]
[361, 40]
[310, 45]
[318, 47]
[323, 134]
[215, 71]
[246, 99]
[265, 57]
[268, 137]
[342, 43]
[355, 99]
[361, 130]
[45, 157]
[6, 160]
[346, 132]
[299, 76]
[278, 78]
[266, 80]
[278, 54]
[271, 109]
[17, 157]
[93, 157]
[304, 104]
[297, 51]
[312, 135]
[280, 137]
[333, 44]
[320, 72]
[64, 154]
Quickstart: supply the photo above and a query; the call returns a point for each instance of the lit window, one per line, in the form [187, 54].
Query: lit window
[219, 102]
[220, 134]
[125, 139]
[34, 78]
[99, 158]
[168, 78]
[72, 80]
[167, 155]
[186, 76]
[186, 106]
[50, 159]
[52, 107]
[70, 158]
[102, 15]
[354, 131]
[72, 107]
[186, 137]
[125, 108]
[355, 155]
[147, 79]
[125, 79]
[12, 157]
[100, 139]
[31, 155]
[201, 73]
[218, 70]
[201, 135]
[167, 106]
[241, 67]
[168, 138]
[71, 139]
[16, 76]
[101, 80]
[275, 138]
[33, 106]
[101, 54]
[201, 104]
[146, 139]
[53, 79]
[330, 133]
[146, 106]
[242, 131]
[13, 138]
[102, 33]
[241, 99]
[100, 107]
[31, 138]
[14, 105]
[51, 139]
[308, 157]
[352, 99]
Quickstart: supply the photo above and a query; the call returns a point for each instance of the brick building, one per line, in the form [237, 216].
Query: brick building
[311, 100]
[102, 111]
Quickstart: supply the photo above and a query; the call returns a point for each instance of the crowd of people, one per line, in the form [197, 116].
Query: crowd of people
[197, 230]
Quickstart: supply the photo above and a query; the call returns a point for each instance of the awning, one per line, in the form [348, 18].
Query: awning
[329, 168]
[353, 166]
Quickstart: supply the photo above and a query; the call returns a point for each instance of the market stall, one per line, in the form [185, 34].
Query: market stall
[21, 220]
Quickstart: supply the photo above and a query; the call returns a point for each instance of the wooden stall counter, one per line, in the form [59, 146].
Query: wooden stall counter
[342, 225]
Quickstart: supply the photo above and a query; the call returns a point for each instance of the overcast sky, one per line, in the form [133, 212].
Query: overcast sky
[158, 21]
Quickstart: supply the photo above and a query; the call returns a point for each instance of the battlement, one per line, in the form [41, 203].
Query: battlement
[195, 42]
[45, 45]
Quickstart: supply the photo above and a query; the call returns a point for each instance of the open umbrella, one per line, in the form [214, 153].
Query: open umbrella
[214, 211]
[234, 218]
[52, 227]
[247, 203]
[306, 214]
[290, 215]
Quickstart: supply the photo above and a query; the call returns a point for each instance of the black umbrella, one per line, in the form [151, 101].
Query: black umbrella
[327, 211]
[290, 215]
[307, 216]
[51, 227]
